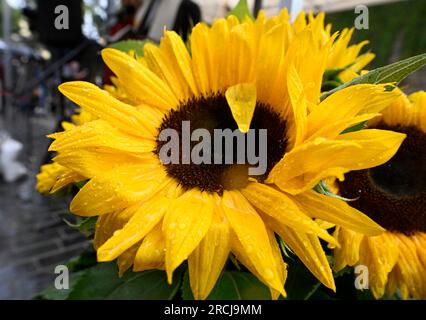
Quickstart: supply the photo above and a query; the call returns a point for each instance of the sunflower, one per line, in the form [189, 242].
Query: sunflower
[393, 195]
[234, 75]
[52, 176]
[346, 59]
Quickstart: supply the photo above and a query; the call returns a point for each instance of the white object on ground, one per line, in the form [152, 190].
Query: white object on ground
[10, 168]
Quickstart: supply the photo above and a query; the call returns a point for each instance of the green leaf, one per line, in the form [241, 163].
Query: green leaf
[51, 293]
[395, 72]
[186, 288]
[130, 45]
[356, 127]
[241, 10]
[300, 283]
[85, 224]
[85, 260]
[81, 184]
[322, 188]
[332, 74]
[102, 283]
[330, 85]
[285, 248]
[232, 285]
[365, 294]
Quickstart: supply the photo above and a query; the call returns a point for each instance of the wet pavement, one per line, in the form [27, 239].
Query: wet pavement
[33, 236]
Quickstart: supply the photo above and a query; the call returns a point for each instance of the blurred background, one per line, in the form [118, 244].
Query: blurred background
[35, 57]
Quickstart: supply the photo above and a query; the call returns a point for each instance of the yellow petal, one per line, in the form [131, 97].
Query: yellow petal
[185, 225]
[117, 188]
[218, 35]
[362, 61]
[100, 134]
[65, 179]
[418, 115]
[107, 224]
[240, 253]
[142, 222]
[242, 54]
[378, 146]
[333, 129]
[207, 260]
[412, 270]
[93, 200]
[348, 252]
[379, 254]
[252, 235]
[309, 57]
[299, 105]
[180, 60]
[346, 104]
[279, 262]
[338, 212]
[95, 162]
[139, 81]
[308, 248]
[270, 73]
[201, 57]
[241, 99]
[303, 167]
[125, 260]
[281, 207]
[151, 253]
[101, 104]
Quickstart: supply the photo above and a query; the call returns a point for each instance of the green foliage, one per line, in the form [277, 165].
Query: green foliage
[395, 73]
[241, 10]
[102, 282]
[89, 280]
[130, 45]
[330, 79]
[300, 283]
[356, 127]
[84, 224]
[51, 293]
[322, 188]
[85, 260]
[232, 285]
[392, 27]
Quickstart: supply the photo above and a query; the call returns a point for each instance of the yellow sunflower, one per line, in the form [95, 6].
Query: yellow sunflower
[393, 195]
[52, 176]
[342, 55]
[235, 75]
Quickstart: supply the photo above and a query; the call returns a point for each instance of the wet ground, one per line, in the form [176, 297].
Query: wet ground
[33, 236]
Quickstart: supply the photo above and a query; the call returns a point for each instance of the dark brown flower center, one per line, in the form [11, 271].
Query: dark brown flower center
[212, 113]
[394, 194]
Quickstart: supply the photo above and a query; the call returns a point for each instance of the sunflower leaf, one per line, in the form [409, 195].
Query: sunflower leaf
[300, 283]
[356, 127]
[85, 224]
[322, 188]
[241, 10]
[101, 282]
[51, 293]
[232, 285]
[130, 45]
[395, 72]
